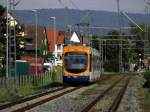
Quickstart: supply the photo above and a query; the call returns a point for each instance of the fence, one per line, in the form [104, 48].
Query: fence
[24, 85]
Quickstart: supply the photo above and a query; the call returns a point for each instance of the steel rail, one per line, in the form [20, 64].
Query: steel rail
[7, 105]
[119, 97]
[30, 106]
[100, 96]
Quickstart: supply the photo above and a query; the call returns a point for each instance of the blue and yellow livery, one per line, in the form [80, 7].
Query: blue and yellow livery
[80, 63]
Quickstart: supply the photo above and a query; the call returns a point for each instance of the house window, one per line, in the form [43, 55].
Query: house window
[29, 41]
[58, 56]
[59, 47]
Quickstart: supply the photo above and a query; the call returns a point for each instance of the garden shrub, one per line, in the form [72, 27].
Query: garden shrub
[147, 78]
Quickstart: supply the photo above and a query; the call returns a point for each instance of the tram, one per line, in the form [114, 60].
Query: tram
[80, 64]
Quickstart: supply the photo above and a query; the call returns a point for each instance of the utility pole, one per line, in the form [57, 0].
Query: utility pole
[10, 39]
[54, 29]
[83, 27]
[146, 44]
[36, 20]
[120, 50]
[70, 29]
[14, 28]
[102, 56]
[105, 45]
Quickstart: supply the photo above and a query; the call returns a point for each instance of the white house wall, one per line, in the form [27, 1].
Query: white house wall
[58, 61]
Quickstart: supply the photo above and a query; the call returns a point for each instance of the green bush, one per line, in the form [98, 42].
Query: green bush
[111, 66]
[147, 75]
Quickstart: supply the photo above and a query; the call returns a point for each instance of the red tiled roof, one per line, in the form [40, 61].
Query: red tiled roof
[59, 38]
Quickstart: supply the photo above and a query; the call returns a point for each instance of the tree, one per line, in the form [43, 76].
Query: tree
[112, 49]
[44, 49]
[19, 38]
[139, 43]
[2, 41]
[2, 9]
[139, 35]
[111, 52]
[95, 42]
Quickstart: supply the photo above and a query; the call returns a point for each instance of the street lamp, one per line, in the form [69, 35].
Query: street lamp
[54, 26]
[36, 17]
[7, 70]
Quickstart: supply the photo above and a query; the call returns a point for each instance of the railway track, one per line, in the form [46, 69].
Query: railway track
[117, 100]
[6, 105]
[119, 97]
[34, 101]
[23, 105]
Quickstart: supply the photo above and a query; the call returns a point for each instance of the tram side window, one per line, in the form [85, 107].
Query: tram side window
[97, 63]
[90, 62]
[94, 64]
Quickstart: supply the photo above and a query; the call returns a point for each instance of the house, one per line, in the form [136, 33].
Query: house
[55, 44]
[30, 40]
[30, 48]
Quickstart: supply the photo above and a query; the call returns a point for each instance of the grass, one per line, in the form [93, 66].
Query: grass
[145, 99]
[30, 88]
[144, 95]
[3, 96]
[27, 90]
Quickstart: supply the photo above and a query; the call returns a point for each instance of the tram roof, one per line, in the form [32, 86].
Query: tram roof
[92, 50]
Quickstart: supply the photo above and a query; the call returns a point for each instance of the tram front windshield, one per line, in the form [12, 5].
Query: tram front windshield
[75, 62]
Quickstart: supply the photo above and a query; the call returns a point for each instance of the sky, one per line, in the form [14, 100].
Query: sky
[133, 6]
